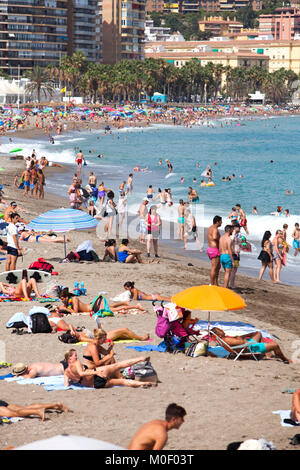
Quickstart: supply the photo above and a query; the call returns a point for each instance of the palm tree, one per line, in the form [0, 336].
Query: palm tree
[74, 67]
[39, 82]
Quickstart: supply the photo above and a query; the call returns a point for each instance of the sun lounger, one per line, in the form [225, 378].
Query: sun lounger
[236, 352]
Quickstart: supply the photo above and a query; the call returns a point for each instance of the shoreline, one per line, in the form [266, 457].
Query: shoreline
[197, 384]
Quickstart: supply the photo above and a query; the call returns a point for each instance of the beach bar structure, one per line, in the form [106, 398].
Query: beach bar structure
[12, 93]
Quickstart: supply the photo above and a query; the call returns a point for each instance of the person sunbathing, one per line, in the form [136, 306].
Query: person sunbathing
[21, 290]
[137, 294]
[295, 412]
[38, 369]
[154, 435]
[255, 343]
[93, 352]
[103, 376]
[32, 236]
[72, 304]
[110, 253]
[9, 410]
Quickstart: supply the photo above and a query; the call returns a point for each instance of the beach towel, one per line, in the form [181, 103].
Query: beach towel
[231, 328]
[17, 317]
[284, 415]
[103, 312]
[149, 347]
[6, 376]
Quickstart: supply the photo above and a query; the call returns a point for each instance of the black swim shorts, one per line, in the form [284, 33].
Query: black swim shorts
[3, 403]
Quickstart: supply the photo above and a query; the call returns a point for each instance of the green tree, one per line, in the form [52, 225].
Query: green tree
[39, 82]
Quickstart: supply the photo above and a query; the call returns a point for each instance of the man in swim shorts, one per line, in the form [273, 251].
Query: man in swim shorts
[142, 213]
[226, 257]
[243, 219]
[296, 237]
[213, 237]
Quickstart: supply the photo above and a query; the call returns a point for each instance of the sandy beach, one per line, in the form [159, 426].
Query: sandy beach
[225, 401]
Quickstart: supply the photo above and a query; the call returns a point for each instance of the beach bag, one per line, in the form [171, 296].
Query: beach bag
[196, 349]
[103, 212]
[101, 312]
[162, 326]
[144, 372]
[68, 338]
[42, 265]
[40, 323]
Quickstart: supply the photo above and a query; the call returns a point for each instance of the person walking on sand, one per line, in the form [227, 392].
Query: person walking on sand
[13, 248]
[226, 257]
[129, 186]
[142, 213]
[153, 222]
[154, 435]
[213, 237]
[266, 256]
[278, 254]
[236, 248]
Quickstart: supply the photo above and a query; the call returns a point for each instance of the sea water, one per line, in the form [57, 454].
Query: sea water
[262, 153]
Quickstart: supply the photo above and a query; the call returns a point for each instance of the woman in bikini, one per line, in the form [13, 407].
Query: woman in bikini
[32, 236]
[23, 289]
[139, 295]
[101, 193]
[72, 304]
[103, 376]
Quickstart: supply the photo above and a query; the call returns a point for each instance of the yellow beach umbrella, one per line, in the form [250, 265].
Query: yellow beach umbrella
[210, 299]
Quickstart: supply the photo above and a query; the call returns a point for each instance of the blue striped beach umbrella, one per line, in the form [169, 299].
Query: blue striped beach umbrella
[62, 220]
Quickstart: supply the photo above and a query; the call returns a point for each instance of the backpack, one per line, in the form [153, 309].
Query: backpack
[144, 372]
[68, 338]
[40, 323]
[162, 326]
[42, 265]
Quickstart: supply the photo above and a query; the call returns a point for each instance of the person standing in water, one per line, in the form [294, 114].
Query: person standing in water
[170, 167]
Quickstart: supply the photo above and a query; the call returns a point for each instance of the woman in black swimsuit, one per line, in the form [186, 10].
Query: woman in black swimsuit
[102, 377]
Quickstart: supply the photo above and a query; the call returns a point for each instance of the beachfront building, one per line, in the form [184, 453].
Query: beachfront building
[204, 55]
[32, 34]
[123, 30]
[279, 53]
[218, 26]
[84, 28]
[283, 24]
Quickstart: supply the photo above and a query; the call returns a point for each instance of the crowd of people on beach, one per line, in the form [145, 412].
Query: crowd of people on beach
[98, 368]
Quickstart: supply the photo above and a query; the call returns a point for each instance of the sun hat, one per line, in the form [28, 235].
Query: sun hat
[19, 368]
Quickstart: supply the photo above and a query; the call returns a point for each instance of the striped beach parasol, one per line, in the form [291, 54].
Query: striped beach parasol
[62, 220]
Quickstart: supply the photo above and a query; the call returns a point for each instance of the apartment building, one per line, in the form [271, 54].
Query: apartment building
[284, 24]
[280, 53]
[218, 26]
[32, 34]
[233, 5]
[155, 5]
[84, 28]
[123, 28]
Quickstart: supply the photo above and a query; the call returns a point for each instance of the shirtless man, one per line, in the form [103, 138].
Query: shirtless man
[296, 237]
[154, 435]
[79, 160]
[129, 184]
[92, 180]
[243, 219]
[38, 369]
[226, 257]
[180, 229]
[213, 237]
[25, 178]
[142, 213]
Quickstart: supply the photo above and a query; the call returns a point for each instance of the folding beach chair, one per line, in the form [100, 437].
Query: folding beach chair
[236, 352]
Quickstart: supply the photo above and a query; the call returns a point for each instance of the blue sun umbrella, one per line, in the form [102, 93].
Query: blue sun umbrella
[62, 220]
